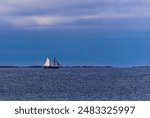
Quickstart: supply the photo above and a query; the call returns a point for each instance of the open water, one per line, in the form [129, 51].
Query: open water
[97, 83]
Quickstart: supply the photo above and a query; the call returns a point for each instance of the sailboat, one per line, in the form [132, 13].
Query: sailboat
[51, 64]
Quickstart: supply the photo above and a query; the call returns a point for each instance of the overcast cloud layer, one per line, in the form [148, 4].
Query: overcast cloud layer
[37, 13]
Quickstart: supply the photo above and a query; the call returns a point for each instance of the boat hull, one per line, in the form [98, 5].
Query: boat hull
[50, 67]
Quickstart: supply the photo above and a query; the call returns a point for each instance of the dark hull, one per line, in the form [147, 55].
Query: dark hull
[51, 67]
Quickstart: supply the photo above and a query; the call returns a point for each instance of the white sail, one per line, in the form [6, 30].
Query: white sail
[47, 62]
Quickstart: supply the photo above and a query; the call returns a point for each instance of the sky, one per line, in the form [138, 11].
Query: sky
[77, 32]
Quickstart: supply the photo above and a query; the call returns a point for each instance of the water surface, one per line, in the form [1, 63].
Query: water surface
[97, 83]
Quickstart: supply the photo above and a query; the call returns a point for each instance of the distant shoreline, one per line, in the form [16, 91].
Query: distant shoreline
[75, 67]
[20, 66]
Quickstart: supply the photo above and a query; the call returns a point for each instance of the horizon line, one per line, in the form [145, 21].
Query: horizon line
[106, 66]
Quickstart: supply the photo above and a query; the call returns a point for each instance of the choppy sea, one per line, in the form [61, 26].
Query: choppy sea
[84, 83]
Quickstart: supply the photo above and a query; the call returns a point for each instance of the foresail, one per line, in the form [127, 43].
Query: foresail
[47, 62]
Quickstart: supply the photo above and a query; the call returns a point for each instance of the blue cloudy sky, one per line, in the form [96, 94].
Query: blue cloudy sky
[78, 32]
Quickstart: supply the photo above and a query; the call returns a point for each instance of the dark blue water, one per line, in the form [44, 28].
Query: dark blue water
[75, 84]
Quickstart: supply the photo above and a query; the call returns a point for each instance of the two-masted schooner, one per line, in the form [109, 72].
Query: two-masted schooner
[51, 64]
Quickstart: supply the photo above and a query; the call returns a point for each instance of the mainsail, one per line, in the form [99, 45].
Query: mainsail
[56, 63]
